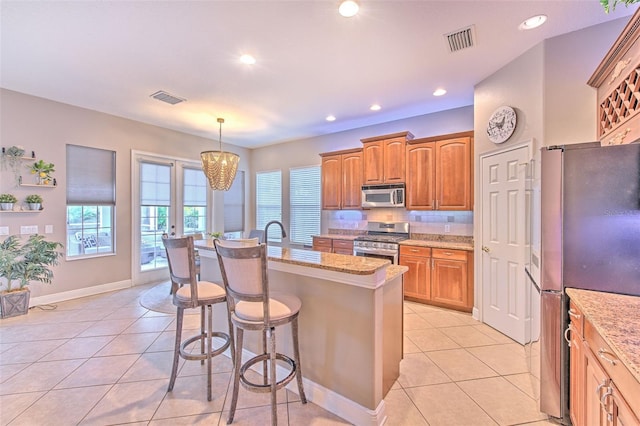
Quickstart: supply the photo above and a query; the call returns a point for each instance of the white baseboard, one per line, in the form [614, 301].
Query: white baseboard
[81, 292]
[475, 314]
[329, 400]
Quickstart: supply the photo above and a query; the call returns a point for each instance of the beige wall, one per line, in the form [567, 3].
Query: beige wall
[46, 127]
[547, 87]
[305, 152]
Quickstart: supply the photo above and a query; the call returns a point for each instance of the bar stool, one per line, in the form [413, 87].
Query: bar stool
[252, 307]
[189, 292]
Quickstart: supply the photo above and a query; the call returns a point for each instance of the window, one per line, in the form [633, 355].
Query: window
[194, 208]
[155, 212]
[304, 196]
[234, 208]
[91, 200]
[268, 199]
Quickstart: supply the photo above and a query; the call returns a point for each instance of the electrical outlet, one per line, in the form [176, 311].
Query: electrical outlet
[4, 230]
[48, 229]
[26, 230]
[447, 228]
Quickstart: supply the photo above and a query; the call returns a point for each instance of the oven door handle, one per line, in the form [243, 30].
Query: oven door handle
[375, 251]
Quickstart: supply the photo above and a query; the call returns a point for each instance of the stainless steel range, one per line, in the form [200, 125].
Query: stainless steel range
[382, 240]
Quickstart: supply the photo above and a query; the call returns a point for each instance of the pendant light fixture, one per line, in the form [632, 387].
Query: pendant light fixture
[219, 167]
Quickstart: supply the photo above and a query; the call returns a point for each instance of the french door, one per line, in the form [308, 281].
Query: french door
[170, 197]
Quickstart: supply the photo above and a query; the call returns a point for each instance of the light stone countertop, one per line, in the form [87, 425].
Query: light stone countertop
[394, 270]
[616, 318]
[338, 236]
[438, 244]
[355, 265]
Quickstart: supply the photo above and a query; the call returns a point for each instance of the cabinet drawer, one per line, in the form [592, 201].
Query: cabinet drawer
[343, 244]
[415, 251]
[577, 319]
[449, 254]
[624, 380]
[322, 244]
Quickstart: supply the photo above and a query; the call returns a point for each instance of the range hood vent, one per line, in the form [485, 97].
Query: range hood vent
[163, 96]
[461, 39]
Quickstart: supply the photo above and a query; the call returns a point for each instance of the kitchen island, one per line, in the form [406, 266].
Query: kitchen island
[350, 325]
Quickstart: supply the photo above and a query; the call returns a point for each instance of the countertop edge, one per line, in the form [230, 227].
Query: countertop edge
[579, 297]
[438, 244]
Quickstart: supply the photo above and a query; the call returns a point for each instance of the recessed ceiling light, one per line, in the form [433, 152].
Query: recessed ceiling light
[247, 59]
[533, 22]
[375, 107]
[348, 8]
[439, 92]
[330, 118]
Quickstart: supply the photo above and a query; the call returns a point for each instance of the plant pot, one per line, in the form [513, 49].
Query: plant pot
[34, 206]
[6, 206]
[14, 303]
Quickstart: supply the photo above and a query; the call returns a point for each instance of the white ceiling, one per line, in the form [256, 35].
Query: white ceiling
[109, 56]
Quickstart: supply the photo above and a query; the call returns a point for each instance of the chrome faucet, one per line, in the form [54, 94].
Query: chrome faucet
[266, 230]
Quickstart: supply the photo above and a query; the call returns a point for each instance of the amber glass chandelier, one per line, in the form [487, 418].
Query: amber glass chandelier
[219, 167]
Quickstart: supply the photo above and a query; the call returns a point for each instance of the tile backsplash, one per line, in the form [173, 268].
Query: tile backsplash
[422, 222]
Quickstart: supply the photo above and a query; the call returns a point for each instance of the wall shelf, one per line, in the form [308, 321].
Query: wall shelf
[21, 211]
[38, 186]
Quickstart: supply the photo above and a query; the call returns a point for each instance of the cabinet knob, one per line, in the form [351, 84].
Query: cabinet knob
[485, 249]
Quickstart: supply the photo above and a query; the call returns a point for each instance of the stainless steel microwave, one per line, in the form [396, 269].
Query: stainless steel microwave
[390, 195]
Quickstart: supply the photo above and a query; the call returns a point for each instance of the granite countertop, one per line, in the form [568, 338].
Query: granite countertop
[439, 244]
[394, 270]
[337, 236]
[315, 259]
[615, 317]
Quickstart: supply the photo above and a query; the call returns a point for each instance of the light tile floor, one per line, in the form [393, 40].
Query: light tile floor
[105, 360]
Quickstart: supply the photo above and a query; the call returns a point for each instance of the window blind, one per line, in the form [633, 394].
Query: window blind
[155, 184]
[268, 200]
[234, 205]
[91, 176]
[304, 199]
[195, 187]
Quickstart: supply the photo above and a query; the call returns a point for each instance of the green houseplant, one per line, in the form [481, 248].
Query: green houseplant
[34, 201]
[610, 5]
[6, 201]
[22, 263]
[43, 171]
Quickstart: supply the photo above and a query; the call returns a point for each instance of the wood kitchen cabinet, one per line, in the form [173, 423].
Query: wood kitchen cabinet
[616, 79]
[342, 180]
[384, 158]
[450, 278]
[600, 386]
[439, 173]
[441, 277]
[333, 245]
[417, 280]
[322, 244]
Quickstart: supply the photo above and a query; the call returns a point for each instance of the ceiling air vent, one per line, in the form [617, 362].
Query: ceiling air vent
[163, 96]
[461, 39]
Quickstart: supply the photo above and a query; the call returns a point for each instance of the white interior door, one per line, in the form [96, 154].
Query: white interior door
[169, 197]
[505, 299]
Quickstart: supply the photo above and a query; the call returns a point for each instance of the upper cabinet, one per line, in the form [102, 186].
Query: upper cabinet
[439, 173]
[384, 158]
[342, 179]
[617, 79]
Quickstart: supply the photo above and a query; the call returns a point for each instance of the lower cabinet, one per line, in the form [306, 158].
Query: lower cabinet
[333, 245]
[440, 277]
[595, 378]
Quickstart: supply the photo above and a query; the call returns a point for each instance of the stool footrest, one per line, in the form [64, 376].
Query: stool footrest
[267, 387]
[190, 356]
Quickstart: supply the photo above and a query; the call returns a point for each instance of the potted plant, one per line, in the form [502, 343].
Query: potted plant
[20, 264]
[34, 201]
[43, 171]
[12, 157]
[6, 201]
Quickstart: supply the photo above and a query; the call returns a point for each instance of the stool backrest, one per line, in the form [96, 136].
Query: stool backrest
[244, 273]
[182, 264]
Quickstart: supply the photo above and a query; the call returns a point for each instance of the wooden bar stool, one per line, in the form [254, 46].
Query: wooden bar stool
[189, 292]
[252, 307]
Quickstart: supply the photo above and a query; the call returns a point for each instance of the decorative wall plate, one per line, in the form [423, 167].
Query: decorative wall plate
[502, 124]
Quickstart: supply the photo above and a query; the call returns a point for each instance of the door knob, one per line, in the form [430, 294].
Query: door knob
[485, 249]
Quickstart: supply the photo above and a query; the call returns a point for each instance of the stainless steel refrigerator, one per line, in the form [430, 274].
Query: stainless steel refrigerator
[590, 239]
